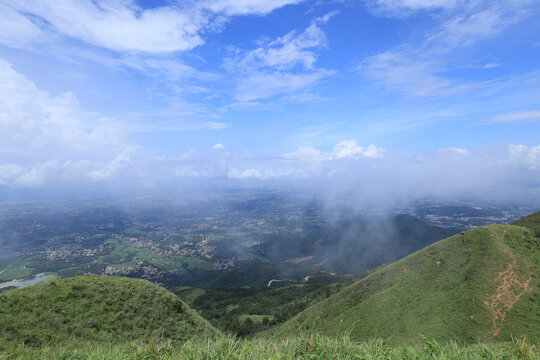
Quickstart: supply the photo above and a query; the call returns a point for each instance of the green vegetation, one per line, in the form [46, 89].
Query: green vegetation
[134, 231]
[297, 346]
[257, 319]
[123, 255]
[532, 222]
[475, 295]
[9, 269]
[480, 285]
[99, 308]
[258, 274]
[17, 271]
[227, 308]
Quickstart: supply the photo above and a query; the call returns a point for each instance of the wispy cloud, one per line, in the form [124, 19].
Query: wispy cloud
[281, 66]
[491, 65]
[514, 117]
[424, 69]
[472, 26]
[17, 30]
[405, 8]
[400, 70]
[244, 7]
[264, 85]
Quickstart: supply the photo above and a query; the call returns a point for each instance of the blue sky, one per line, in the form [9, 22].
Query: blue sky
[98, 92]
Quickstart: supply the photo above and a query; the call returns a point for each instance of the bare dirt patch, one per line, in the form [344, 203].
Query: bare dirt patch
[299, 260]
[510, 287]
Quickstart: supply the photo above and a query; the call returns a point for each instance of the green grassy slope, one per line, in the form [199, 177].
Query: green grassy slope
[532, 222]
[97, 308]
[482, 285]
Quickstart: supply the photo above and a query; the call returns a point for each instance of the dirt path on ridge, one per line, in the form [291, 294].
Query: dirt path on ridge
[509, 289]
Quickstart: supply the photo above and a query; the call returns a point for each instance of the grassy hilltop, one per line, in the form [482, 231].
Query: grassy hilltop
[96, 308]
[480, 285]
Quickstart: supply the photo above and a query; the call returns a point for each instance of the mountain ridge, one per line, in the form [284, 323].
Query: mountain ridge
[480, 284]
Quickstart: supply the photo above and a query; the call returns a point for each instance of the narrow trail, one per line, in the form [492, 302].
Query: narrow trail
[304, 280]
[509, 289]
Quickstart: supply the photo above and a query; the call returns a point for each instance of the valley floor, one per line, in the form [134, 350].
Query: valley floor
[307, 346]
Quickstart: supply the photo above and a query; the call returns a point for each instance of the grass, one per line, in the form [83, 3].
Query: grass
[299, 346]
[257, 319]
[96, 308]
[16, 270]
[532, 222]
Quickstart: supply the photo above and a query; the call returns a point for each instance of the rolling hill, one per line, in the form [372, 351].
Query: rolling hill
[96, 308]
[483, 284]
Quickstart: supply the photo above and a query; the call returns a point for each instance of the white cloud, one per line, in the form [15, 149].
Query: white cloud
[34, 123]
[308, 154]
[265, 85]
[16, 30]
[525, 156]
[9, 172]
[428, 68]
[453, 150]
[244, 7]
[404, 8]
[118, 25]
[49, 138]
[122, 25]
[346, 149]
[219, 147]
[286, 51]
[470, 28]
[491, 65]
[399, 70]
[350, 149]
[39, 174]
[515, 117]
[281, 66]
[244, 174]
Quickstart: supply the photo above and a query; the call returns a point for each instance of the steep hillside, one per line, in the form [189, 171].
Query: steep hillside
[99, 308]
[532, 222]
[480, 285]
